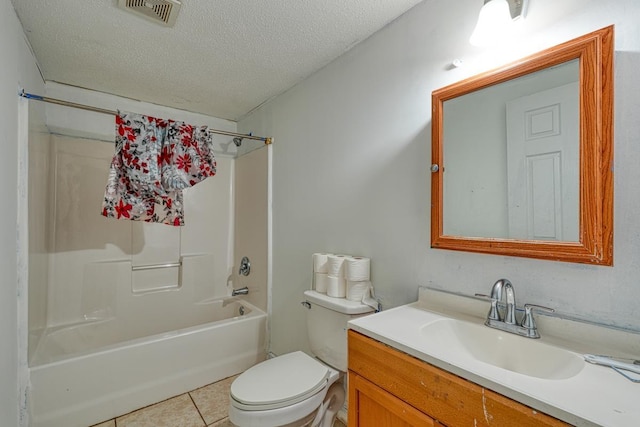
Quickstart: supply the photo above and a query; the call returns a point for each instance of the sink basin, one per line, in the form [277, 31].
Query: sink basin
[504, 350]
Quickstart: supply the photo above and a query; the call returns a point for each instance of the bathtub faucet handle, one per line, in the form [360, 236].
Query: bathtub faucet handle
[245, 266]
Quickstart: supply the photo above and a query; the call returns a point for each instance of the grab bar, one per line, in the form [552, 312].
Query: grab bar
[154, 266]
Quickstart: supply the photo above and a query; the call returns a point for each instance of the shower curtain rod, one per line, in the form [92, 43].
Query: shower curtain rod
[267, 140]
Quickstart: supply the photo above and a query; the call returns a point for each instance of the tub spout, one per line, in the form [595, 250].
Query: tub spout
[241, 291]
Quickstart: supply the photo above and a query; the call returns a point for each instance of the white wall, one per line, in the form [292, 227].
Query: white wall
[353, 146]
[17, 68]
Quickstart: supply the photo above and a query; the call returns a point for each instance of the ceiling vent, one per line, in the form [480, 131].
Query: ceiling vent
[160, 11]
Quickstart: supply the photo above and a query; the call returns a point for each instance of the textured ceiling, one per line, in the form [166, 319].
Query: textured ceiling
[222, 58]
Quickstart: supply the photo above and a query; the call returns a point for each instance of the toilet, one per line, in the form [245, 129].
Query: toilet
[296, 389]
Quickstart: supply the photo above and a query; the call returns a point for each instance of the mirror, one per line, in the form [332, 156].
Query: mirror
[522, 157]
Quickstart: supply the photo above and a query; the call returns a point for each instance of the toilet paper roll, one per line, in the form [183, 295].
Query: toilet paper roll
[320, 262]
[357, 291]
[335, 265]
[357, 269]
[321, 282]
[336, 286]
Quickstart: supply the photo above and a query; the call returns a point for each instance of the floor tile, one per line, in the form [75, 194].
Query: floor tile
[110, 423]
[213, 400]
[177, 412]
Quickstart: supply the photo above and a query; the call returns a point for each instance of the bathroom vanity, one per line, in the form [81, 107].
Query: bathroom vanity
[385, 383]
[435, 363]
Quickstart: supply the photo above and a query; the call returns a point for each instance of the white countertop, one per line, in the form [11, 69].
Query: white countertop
[596, 396]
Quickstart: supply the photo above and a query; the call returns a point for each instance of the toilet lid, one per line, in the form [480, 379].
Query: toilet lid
[278, 382]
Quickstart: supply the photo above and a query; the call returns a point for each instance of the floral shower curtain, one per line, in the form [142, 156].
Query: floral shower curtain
[155, 160]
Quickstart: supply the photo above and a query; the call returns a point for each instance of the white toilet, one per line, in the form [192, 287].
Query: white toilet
[296, 389]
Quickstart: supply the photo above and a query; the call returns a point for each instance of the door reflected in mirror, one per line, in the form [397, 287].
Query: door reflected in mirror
[524, 157]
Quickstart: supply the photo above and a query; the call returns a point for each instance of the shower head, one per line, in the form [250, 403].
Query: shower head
[237, 140]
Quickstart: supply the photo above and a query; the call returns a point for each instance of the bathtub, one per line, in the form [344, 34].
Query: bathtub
[90, 372]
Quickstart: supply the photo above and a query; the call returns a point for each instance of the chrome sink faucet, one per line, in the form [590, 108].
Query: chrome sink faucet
[508, 322]
[503, 286]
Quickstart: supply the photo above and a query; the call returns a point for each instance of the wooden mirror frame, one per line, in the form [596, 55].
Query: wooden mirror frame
[595, 243]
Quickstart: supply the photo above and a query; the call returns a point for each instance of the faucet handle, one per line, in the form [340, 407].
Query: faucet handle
[494, 314]
[527, 321]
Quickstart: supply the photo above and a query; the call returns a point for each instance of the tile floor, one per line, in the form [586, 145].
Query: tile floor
[206, 406]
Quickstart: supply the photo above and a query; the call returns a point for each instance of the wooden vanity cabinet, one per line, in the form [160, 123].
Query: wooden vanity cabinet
[389, 388]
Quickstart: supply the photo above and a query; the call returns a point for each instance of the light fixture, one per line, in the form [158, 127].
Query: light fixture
[496, 21]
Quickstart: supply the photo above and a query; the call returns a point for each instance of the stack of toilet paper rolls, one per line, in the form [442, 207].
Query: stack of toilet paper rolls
[320, 272]
[357, 272]
[342, 276]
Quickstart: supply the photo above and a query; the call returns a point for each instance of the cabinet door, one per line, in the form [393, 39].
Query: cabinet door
[371, 406]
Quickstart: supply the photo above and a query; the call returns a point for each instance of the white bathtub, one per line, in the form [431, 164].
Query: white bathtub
[91, 372]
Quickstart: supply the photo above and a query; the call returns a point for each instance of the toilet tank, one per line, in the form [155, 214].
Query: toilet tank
[327, 320]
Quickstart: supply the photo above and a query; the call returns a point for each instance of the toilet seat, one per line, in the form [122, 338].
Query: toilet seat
[282, 381]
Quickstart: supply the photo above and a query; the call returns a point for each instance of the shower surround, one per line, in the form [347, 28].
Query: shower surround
[110, 330]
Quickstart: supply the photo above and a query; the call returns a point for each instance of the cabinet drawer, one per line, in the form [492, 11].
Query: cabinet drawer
[369, 405]
[443, 396]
